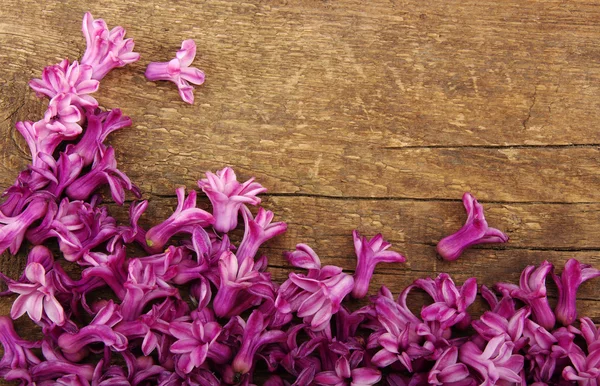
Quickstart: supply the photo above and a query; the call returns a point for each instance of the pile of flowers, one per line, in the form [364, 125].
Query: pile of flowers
[151, 309]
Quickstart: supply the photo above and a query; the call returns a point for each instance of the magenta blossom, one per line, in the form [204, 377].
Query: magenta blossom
[37, 297]
[17, 353]
[75, 346]
[317, 296]
[347, 373]
[574, 274]
[369, 253]
[178, 71]
[255, 336]
[447, 370]
[106, 49]
[104, 171]
[496, 363]
[532, 291]
[99, 126]
[475, 231]
[62, 116]
[185, 217]
[257, 231]
[78, 225]
[197, 341]
[227, 196]
[74, 79]
[450, 302]
[13, 229]
[241, 286]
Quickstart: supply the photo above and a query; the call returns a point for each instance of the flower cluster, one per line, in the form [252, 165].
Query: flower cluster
[199, 309]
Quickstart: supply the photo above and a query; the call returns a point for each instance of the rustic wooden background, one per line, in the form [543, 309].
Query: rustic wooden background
[374, 115]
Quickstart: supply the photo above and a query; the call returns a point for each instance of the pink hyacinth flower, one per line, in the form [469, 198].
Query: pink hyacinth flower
[348, 374]
[257, 231]
[475, 231]
[62, 116]
[197, 341]
[227, 196]
[255, 336]
[37, 297]
[178, 71]
[446, 369]
[317, 296]
[496, 363]
[184, 219]
[104, 171]
[74, 79]
[241, 286]
[13, 229]
[532, 291]
[369, 253]
[574, 274]
[106, 49]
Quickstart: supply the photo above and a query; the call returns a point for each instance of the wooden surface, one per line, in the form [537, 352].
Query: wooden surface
[374, 115]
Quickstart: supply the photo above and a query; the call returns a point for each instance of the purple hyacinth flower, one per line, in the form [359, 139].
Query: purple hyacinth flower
[63, 116]
[584, 369]
[257, 231]
[13, 229]
[573, 275]
[17, 352]
[398, 339]
[543, 351]
[450, 302]
[446, 370]
[532, 291]
[492, 324]
[99, 126]
[369, 253]
[73, 79]
[56, 366]
[79, 227]
[178, 71]
[197, 341]
[496, 363]
[141, 289]
[106, 49]
[104, 171]
[74, 346]
[227, 196]
[241, 286]
[348, 374]
[184, 219]
[255, 337]
[317, 296]
[37, 297]
[475, 231]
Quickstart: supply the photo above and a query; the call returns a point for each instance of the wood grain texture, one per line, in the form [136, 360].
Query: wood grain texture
[373, 115]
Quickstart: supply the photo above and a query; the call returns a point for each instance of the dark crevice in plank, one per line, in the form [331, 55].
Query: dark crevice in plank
[508, 247]
[494, 147]
[368, 198]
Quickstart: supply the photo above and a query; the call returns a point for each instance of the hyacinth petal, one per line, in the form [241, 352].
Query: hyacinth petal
[186, 93]
[193, 75]
[54, 310]
[35, 273]
[187, 53]
[384, 358]
[327, 378]
[365, 376]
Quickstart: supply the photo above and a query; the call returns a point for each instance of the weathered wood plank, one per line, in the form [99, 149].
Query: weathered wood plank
[411, 74]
